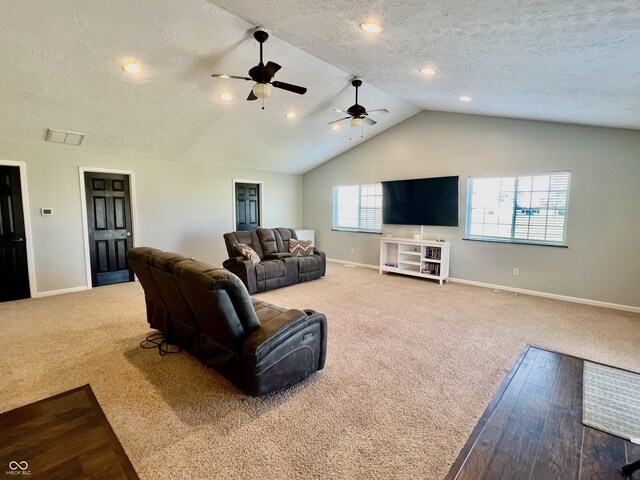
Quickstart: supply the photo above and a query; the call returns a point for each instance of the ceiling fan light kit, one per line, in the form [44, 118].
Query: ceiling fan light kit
[261, 90]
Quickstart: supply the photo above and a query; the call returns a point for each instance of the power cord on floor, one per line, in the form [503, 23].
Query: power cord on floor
[159, 340]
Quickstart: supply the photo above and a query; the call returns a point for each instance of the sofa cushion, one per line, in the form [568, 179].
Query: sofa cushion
[300, 248]
[247, 252]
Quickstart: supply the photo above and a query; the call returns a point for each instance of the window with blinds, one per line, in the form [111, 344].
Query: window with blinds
[358, 208]
[519, 209]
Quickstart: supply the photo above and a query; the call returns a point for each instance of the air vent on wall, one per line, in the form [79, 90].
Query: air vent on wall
[68, 138]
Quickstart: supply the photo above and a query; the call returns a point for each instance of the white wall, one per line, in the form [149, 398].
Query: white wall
[181, 207]
[602, 262]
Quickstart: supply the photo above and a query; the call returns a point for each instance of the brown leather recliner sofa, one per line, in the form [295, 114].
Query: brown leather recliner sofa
[277, 268]
[207, 310]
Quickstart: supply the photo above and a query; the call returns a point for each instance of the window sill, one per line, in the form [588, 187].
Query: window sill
[516, 242]
[355, 230]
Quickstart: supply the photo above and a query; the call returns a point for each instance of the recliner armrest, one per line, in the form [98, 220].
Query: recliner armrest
[278, 255]
[283, 351]
[234, 261]
[244, 269]
[264, 339]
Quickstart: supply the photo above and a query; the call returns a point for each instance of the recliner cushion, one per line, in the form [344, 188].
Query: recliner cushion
[268, 241]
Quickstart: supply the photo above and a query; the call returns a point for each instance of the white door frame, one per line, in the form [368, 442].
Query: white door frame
[31, 268]
[233, 197]
[83, 206]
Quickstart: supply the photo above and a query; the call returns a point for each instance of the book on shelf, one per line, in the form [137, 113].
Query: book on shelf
[431, 269]
[433, 253]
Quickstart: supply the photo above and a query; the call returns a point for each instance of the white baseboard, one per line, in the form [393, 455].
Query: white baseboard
[346, 262]
[554, 296]
[50, 293]
[564, 298]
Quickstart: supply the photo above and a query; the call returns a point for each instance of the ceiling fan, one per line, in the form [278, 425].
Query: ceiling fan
[263, 74]
[357, 113]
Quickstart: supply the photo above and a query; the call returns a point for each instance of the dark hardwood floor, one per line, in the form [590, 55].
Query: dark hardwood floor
[533, 429]
[64, 436]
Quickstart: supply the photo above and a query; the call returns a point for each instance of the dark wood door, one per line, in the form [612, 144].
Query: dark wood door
[14, 272]
[110, 229]
[247, 206]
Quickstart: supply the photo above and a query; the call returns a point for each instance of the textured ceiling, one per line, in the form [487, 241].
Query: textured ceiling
[570, 61]
[540, 59]
[61, 66]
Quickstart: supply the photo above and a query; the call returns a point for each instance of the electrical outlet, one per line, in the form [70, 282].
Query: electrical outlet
[353, 250]
[516, 272]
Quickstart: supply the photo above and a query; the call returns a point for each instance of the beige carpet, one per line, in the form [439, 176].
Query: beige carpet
[410, 368]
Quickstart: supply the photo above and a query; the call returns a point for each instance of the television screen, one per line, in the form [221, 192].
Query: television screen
[421, 201]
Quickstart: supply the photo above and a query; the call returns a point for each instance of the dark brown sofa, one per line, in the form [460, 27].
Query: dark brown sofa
[207, 310]
[277, 268]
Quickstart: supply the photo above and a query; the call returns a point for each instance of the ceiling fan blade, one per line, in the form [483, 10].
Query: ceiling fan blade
[271, 68]
[222, 75]
[290, 88]
[252, 96]
[339, 111]
[379, 110]
[341, 119]
[369, 121]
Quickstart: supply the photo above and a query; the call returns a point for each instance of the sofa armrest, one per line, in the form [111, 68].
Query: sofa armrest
[278, 255]
[245, 270]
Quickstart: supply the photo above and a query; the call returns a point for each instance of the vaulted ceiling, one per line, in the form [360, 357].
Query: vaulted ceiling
[61, 66]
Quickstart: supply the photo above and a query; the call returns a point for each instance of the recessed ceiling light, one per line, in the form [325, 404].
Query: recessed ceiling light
[291, 114]
[131, 67]
[428, 71]
[371, 27]
[226, 96]
[335, 127]
[465, 98]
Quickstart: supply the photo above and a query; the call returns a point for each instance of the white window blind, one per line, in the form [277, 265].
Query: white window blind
[358, 208]
[523, 208]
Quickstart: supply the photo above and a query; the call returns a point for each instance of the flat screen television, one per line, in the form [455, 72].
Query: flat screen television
[421, 201]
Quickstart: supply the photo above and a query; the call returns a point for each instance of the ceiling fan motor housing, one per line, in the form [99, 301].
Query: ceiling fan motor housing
[357, 111]
[260, 35]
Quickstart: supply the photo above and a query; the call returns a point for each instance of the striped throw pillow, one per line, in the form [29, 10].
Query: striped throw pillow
[247, 252]
[300, 248]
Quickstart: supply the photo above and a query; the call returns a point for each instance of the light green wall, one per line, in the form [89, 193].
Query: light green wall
[602, 262]
[181, 207]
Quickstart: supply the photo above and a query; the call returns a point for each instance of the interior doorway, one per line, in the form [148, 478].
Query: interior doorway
[247, 204]
[14, 263]
[109, 224]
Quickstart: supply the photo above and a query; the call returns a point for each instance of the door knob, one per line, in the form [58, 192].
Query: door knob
[126, 234]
